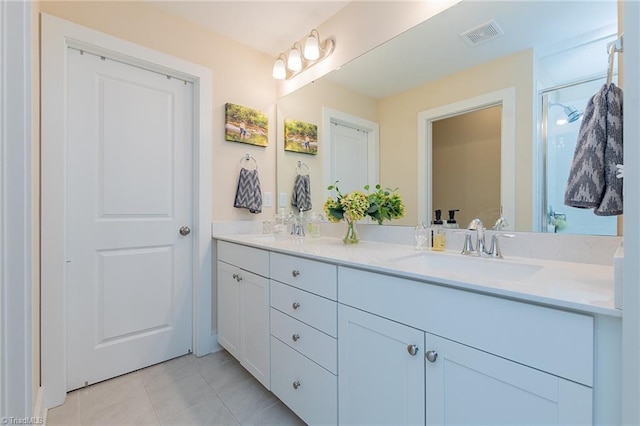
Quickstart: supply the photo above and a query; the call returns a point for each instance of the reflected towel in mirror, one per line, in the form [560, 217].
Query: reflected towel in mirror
[592, 181]
[301, 195]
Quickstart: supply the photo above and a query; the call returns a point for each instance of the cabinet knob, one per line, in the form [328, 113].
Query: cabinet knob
[296, 384]
[295, 337]
[235, 277]
[295, 273]
[431, 356]
[239, 278]
[412, 349]
[295, 305]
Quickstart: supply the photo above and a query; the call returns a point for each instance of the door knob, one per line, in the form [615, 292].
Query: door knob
[412, 349]
[431, 356]
[185, 230]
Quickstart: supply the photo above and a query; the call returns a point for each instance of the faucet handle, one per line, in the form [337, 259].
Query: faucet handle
[501, 222]
[467, 248]
[495, 251]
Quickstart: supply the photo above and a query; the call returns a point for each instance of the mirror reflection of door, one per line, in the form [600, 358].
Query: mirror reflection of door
[466, 165]
[562, 116]
[349, 157]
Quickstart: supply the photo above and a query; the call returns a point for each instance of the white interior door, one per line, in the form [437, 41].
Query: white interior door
[129, 191]
[349, 158]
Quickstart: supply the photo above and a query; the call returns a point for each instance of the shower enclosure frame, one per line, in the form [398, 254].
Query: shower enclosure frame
[543, 96]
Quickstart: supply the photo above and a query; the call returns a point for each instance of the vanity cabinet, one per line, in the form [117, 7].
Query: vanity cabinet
[243, 307]
[445, 356]
[304, 337]
[381, 373]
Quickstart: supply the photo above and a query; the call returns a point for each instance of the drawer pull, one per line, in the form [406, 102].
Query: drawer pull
[239, 278]
[412, 349]
[296, 384]
[235, 277]
[431, 356]
[295, 337]
[295, 273]
[295, 305]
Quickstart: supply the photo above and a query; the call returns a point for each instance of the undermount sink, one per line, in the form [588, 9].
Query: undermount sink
[468, 266]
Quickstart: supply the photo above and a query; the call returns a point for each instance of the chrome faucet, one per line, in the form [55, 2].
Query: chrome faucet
[475, 225]
[480, 248]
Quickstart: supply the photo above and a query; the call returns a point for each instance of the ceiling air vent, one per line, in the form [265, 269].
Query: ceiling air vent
[482, 33]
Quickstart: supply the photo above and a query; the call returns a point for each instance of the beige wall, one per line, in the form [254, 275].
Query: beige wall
[399, 128]
[466, 165]
[306, 105]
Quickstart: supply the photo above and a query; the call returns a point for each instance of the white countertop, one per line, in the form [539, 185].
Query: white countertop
[576, 286]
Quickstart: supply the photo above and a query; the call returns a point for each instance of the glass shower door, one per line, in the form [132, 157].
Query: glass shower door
[561, 119]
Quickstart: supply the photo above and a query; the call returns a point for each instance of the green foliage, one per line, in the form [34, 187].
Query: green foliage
[380, 205]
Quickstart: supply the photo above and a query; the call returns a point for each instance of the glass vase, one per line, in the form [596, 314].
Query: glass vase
[351, 236]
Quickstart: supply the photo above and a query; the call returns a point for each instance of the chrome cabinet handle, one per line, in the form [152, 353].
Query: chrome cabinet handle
[412, 349]
[296, 384]
[295, 337]
[295, 305]
[239, 278]
[235, 277]
[185, 230]
[431, 356]
[295, 273]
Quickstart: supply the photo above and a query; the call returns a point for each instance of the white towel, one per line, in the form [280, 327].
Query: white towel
[301, 195]
[592, 181]
[248, 193]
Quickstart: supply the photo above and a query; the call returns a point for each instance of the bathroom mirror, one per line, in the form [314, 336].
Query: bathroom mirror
[431, 67]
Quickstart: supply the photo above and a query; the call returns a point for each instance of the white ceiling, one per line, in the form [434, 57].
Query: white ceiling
[268, 26]
[434, 49]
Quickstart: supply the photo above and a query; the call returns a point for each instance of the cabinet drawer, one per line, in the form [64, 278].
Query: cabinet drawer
[247, 258]
[310, 342]
[547, 339]
[316, 398]
[315, 277]
[313, 310]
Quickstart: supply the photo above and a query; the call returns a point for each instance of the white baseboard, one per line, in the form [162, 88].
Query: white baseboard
[39, 409]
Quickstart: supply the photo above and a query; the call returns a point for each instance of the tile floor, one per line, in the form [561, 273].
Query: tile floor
[211, 390]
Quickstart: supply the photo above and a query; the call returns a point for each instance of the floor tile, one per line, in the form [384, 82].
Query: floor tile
[67, 413]
[227, 375]
[277, 414]
[111, 391]
[169, 371]
[136, 410]
[246, 397]
[171, 397]
[209, 411]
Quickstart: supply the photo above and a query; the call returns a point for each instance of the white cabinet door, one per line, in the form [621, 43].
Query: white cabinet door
[255, 325]
[243, 318]
[380, 381]
[229, 308]
[466, 386]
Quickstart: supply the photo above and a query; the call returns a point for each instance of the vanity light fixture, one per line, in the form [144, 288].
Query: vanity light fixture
[299, 59]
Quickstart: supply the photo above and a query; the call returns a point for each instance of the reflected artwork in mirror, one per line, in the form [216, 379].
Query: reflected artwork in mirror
[545, 45]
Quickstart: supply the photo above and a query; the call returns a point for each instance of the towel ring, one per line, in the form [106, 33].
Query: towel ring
[248, 158]
[300, 168]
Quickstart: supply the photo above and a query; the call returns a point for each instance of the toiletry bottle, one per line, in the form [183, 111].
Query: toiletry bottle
[421, 235]
[451, 222]
[280, 227]
[438, 233]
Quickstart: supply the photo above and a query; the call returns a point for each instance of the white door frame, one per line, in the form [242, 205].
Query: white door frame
[16, 214]
[57, 35]
[373, 142]
[506, 98]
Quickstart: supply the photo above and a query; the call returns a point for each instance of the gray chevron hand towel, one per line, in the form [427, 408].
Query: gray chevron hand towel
[248, 193]
[592, 181]
[301, 196]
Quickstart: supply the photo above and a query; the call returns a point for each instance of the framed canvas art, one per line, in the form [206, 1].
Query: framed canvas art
[245, 125]
[300, 137]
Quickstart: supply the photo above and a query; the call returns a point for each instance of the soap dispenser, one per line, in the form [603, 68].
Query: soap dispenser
[438, 233]
[451, 222]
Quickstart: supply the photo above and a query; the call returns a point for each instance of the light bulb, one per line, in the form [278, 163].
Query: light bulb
[311, 48]
[294, 62]
[279, 71]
